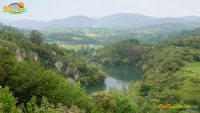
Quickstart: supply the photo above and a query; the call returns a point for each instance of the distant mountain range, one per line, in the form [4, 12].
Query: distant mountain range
[121, 20]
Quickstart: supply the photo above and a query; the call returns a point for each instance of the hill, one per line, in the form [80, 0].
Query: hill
[50, 57]
[75, 21]
[125, 20]
[120, 20]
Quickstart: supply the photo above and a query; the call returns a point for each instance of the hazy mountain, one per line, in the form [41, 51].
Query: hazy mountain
[125, 19]
[191, 18]
[25, 23]
[121, 20]
[75, 21]
[168, 20]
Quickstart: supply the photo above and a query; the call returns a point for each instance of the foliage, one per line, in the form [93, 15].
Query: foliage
[145, 89]
[36, 37]
[33, 80]
[127, 52]
[46, 107]
[192, 42]
[164, 78]
[168, 68]
[116, 102]
[34, 71]
[7, 62]
[89, 74]
[25, 69]
[50, 56]
[7, 101]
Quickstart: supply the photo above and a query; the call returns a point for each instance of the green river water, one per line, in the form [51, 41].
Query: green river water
[118, 77]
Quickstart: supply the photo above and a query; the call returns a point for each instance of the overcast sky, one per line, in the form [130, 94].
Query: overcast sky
[46, 10]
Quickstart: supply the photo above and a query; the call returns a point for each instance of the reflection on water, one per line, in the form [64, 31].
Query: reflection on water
[119, 77]
[115, 83]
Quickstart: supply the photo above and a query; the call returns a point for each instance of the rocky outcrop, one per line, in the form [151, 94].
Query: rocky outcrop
[58, 65]
[35, 58]
[54, 53]
[72, 72]
[20, 56]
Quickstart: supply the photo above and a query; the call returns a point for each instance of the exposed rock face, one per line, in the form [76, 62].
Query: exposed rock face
[20, 55]
[58, 65]
[72, 72]
[35, 58]
[54, 53]
[69, 73]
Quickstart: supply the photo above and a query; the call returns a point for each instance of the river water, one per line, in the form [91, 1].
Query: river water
[118, 77]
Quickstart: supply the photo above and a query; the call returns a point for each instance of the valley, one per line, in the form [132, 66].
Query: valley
[100, 70]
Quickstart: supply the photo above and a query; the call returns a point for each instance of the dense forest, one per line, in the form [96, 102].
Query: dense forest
[102, 36]
[128, 52]
[37, 77]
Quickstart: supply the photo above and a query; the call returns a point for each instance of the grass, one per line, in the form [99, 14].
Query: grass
[91, 35]
[74, 46]
[71, 46]
[78, 46]
[188, 79]
[193, 67]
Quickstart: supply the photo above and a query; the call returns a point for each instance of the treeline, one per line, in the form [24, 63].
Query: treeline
[70, 38]
[128, 52]
[103, 36]
[180, 34]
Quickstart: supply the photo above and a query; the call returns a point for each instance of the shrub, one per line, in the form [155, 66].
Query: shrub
[144, 90]
[7, 101]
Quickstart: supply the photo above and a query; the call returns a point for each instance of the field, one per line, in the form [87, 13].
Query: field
[193, 67]
[79, 46]
[187, 82]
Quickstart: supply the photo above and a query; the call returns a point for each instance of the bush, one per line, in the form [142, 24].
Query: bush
[7, 101]
[144, 90]
[174, 86]
[46, 107]
[116, 102]
[33, 80]
[105, 101]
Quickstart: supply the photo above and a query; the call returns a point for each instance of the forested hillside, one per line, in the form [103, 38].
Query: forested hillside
[63, 61]
[33, 69]
[171, 69]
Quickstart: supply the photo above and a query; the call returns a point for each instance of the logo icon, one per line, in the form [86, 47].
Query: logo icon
[15, 8]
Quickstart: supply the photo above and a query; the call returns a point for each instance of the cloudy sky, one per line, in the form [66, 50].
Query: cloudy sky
[46, 10]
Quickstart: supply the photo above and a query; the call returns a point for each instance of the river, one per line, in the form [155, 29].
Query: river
[119, 77]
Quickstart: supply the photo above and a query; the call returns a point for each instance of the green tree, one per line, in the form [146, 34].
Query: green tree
[31, 79]
[7, 62]
[7, 101]
[46, 107]
[36, 37]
